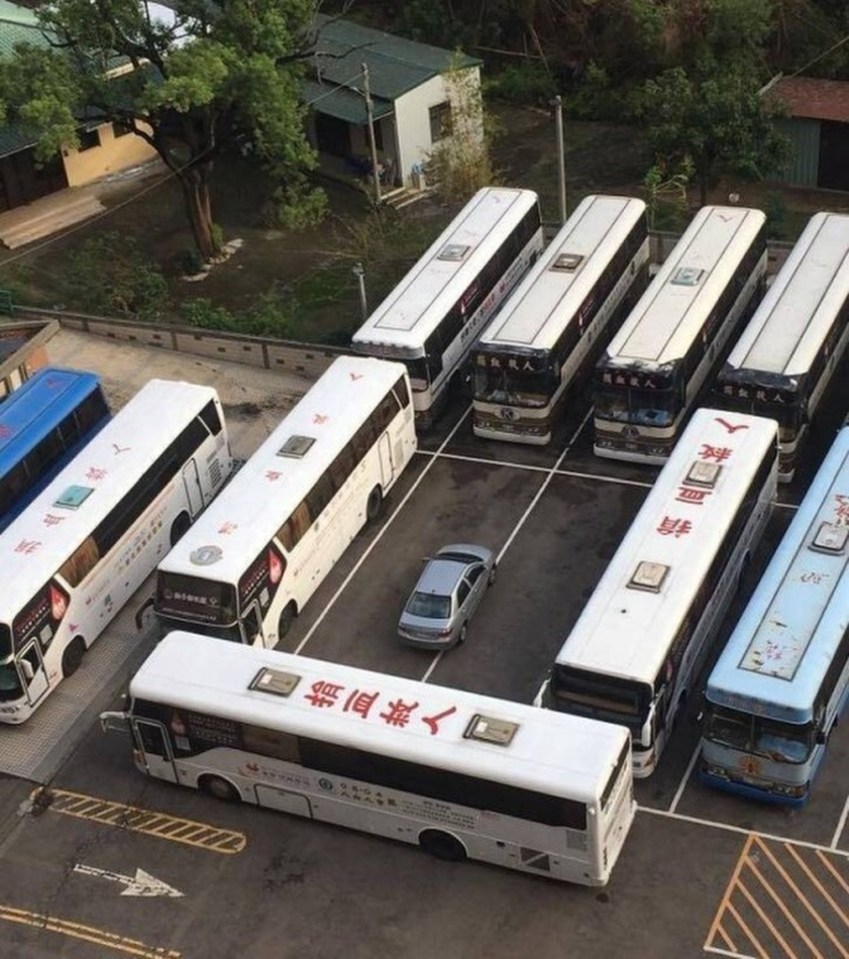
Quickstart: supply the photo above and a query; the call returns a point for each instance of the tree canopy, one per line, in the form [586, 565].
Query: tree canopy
[189, 79]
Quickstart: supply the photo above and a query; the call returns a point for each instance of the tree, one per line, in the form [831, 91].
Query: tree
[715, 119]
[213, 74]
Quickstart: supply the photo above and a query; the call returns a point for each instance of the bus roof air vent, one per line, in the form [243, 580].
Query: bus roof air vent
[648, 576]
[488, 729]
[296, 447]
[703, 475]
[687, 276]
[453, 252]
[830, 538]
[567, 262]
[275, 681]
[74, 497]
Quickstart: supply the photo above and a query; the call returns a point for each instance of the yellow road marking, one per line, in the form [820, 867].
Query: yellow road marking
[824, 860]
[815, 915]
[822, 890]
[135, 819]
[788, 915]
[729, 889]
[765, 919]
[728, 940]
[752, 937]
[76, 930]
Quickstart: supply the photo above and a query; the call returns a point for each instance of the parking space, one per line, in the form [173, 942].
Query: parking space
[687, 882]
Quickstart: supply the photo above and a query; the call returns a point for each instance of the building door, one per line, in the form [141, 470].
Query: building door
[332, 135]
[22, 180]
[833, 173]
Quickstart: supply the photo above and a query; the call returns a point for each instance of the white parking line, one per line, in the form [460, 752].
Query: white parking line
[367, 552]
[679, 792]
[841, 825]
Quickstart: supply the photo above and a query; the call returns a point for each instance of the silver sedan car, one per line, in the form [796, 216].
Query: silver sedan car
[449, 590]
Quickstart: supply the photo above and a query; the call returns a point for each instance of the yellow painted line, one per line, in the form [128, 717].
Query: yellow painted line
[799, 895]
[822, 890]
[765, 919]
[726, 938]
[146, 821]
[830, 867]
[723, 905]
[788, 915]
[76, 930]
[753, 939]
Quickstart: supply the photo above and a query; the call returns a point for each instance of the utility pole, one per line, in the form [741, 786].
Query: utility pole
[360, 273]
[371, 141]
[557, 103]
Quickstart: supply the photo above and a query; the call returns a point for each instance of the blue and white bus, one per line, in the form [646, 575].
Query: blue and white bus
[777, 690]
[43, 425]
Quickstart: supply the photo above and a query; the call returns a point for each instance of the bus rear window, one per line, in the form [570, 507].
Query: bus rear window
[605, 697]
[5, 641]
[202, 600]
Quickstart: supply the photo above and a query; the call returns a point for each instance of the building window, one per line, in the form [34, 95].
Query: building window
[120, 128]
[440, 121]
[88, 139]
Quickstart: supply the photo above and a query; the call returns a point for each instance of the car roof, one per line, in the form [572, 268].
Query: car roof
[440, 576]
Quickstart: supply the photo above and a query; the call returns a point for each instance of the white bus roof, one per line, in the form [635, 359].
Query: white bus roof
[788, 635]
[69, 509]
[551, 752]
[789, 326]
[627, 630]
[413, 310]
[549, 297]
[241, 520]
[677, 302]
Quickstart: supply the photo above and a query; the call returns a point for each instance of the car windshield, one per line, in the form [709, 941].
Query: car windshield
[429, 605]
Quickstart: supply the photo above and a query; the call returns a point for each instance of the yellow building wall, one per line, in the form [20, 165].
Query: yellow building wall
[112, 156]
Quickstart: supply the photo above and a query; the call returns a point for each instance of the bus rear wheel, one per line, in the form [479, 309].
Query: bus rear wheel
[441, 845]
[72, 658]
[374, 506]
[287, 617]
[219, 788]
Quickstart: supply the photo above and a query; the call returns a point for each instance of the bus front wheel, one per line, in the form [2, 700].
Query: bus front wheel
[179, 528]
[374, 505]
[287, 617]
[219, 788]
[72, 657]
[441, 845]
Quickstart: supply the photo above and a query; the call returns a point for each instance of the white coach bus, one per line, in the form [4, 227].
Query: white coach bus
[93, 535]
[291, 511]
[671, 344]
[433, 317]
[559, 318]
[458, 774]
[787, 354]
[636, 649]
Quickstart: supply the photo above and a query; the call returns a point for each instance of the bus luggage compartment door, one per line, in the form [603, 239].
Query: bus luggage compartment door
[271, 797]
[194, 494]
[387, 471]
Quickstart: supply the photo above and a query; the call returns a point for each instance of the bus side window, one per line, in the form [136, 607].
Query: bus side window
[209, 414]
[81, 563]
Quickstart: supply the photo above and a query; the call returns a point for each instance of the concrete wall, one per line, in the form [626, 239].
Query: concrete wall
[112, 156]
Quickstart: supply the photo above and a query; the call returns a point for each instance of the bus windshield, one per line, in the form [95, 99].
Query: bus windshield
[782, 742]
[201, 601]
[518, 387]
[601, 697]
[631, 405]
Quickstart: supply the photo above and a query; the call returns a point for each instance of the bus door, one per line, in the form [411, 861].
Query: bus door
[33, 673]
[191, 481]
[252, 626]
[153, 744]
[387, 469]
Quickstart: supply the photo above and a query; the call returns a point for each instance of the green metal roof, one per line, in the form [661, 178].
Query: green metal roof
[395, 64]
[343, 103]
[17, 25]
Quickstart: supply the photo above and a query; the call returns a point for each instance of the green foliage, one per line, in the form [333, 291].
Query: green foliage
[713, 118]
[108, 275]
[203, 313]
[190, 262]
[775, 207]
[666, 197]
[527, 82]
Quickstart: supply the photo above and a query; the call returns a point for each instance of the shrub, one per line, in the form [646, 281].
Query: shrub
[201, 312]
[529, 83]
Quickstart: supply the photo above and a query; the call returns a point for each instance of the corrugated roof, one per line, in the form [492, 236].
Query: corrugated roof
[342, 103]
[396, 65]
[812, 98]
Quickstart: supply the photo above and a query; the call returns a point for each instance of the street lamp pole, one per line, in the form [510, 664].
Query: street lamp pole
[360, 273]
[371, 141]
[557, 103]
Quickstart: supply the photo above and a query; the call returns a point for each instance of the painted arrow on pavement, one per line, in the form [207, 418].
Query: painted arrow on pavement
[142, 884]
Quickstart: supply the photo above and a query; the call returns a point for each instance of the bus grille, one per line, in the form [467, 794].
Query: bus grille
[215, 474]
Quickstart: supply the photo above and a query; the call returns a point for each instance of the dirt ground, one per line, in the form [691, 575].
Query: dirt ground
[599, 158]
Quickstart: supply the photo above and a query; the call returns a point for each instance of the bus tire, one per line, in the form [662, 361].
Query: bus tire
[374, 505]
[72, 658]
[287, 617]
[442, 845]
[218, 788]
[179, 528]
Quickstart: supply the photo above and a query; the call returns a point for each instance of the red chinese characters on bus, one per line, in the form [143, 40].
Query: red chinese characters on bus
[397, 713]
[715, 454]
[671, 526]
[841, 509]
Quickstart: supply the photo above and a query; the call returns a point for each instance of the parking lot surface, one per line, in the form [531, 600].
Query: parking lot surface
[702, 873]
